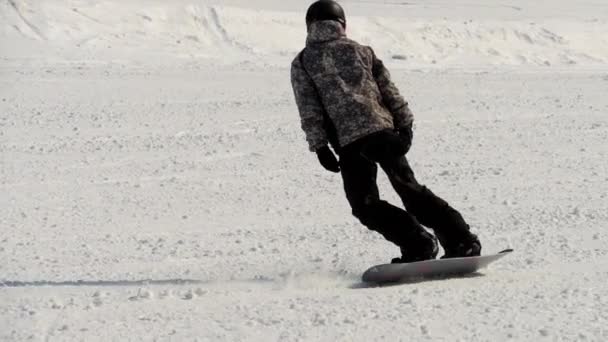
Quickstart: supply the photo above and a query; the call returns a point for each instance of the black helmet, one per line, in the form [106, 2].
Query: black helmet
[325, 10]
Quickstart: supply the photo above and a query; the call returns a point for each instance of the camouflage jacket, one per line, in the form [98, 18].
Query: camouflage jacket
[342, 90]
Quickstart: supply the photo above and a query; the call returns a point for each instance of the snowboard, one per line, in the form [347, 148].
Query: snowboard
[394, 273]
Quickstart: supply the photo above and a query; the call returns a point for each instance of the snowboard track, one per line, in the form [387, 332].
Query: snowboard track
[28, 23]
[288, 279]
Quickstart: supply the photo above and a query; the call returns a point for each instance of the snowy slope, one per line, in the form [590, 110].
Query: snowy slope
[419, 33]
[156, 184]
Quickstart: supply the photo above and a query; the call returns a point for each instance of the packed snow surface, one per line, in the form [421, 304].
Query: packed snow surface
[156, 185]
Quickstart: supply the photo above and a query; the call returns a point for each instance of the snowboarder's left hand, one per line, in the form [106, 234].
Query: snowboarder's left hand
[406, 134]
[328, 159]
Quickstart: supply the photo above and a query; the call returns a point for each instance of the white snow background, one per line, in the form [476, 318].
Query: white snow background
[156, 185]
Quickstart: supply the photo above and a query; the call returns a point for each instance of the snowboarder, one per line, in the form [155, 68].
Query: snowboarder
[346, 99]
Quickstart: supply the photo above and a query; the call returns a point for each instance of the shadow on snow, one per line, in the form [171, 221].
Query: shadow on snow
[411, 281]
[307, 281]
[42, 283]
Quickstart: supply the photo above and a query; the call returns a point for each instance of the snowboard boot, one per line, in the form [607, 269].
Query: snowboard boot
[467, 248]
[423, 248]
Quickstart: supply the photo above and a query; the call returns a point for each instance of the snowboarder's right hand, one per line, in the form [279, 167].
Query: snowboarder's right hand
[328, 159]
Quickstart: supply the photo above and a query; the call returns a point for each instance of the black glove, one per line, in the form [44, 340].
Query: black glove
[328, 159]
[406, 134]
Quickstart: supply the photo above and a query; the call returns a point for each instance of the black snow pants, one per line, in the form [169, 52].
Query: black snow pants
[358, 163]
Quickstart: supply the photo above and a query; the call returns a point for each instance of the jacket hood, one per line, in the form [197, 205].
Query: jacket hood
[324, 31]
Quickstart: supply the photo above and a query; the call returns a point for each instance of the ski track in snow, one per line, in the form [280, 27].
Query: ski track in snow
[173, 198]
[14, 5]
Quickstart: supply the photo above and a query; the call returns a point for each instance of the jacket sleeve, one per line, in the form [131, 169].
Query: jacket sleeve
[402, 115]
[309, 105]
